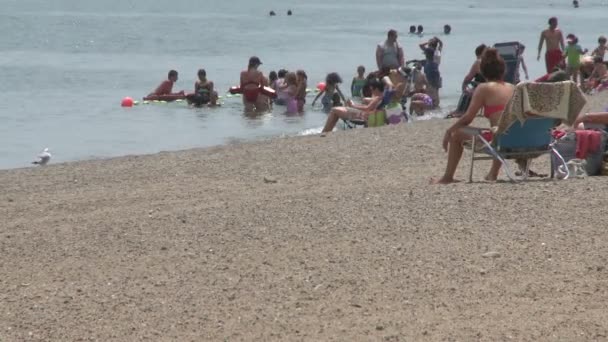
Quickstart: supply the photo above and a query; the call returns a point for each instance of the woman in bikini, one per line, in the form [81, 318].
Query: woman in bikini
[252, 80]
[492, 96]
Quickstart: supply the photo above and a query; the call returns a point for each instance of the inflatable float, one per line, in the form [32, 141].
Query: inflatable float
[267, 91]
[166, 98]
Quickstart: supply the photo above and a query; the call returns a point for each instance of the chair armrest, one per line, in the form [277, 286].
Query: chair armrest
[472, 130]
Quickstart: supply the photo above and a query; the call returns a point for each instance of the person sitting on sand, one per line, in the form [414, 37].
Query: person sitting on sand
[600, 50]
[395, 81]
[251, 81]
[599, 75]
[353, 111]
[166, 87]
[203, 91]
[492, 96]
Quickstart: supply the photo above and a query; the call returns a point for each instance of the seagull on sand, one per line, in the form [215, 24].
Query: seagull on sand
[43, 158]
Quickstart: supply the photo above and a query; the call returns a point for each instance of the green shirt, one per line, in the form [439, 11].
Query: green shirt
[573, 53]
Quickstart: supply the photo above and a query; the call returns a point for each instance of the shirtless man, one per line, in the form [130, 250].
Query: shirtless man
[166, 87]
[389, 54]
[555, 45]
[251, 81]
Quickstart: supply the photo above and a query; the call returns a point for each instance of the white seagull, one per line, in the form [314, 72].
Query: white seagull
[43, 158]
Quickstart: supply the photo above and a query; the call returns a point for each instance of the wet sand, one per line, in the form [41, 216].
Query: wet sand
[301, 239]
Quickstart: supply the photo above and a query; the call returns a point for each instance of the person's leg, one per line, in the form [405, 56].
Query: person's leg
[262, 104]
[214, 98]
[332, 118]
[434, 94]
[494, 170]
[454, 154]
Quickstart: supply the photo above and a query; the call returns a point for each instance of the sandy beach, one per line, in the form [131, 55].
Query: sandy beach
[300, 239]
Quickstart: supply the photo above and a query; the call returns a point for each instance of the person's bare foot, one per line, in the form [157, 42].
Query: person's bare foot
[323, 134]
[443, 180]
[490, 178]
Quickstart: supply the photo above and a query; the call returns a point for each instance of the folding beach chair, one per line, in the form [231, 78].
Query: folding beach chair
[524, 128]
[376, 119]
[526, 140]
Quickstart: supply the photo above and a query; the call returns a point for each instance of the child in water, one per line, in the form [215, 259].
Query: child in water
[359, 82]
[331, 94]
[291, 83]
[203, 91]
[573, 53]
[302, 81]
[280, 87]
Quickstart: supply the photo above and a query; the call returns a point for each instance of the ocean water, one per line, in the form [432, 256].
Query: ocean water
[66, 64]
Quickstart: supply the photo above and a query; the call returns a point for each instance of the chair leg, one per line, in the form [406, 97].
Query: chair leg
[504, 163]
[527, 169]
[472, 159]
[562, 161]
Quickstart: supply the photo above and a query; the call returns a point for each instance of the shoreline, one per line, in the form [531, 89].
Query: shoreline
[300, 238]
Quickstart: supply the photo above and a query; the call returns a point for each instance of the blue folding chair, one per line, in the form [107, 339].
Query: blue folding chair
[519, 141]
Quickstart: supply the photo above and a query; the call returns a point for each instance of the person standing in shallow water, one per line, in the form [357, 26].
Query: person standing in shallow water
[251, 82]
[555, 45]
[389, 54]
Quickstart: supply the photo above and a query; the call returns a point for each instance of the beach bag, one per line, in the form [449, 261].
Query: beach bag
[376, 119]
[394, 113]
[566, 146]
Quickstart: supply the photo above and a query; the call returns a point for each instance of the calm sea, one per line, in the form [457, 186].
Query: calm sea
[66, 64]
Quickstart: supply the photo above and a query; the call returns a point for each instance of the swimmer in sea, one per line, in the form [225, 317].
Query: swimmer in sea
[420, 30]
[413, 29]
[166, 87]
[447, 29]
[252, 80]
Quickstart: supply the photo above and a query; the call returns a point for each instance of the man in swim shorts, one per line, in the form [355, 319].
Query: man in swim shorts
[555, 45]
[166, 87]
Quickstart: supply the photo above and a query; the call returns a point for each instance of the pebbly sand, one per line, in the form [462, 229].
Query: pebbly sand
[300, 239]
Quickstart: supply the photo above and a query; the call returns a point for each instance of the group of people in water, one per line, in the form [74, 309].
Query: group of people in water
[397, 79]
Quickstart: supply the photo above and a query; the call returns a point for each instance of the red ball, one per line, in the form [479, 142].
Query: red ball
[321, 86]
[127, 102]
